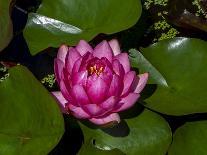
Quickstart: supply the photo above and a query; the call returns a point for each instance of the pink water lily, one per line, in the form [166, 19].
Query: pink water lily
[96, 84]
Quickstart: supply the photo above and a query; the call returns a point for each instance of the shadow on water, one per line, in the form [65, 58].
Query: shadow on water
[72, 139]
[148, 91]
[119, 130]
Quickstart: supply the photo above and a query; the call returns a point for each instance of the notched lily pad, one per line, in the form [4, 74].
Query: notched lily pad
[6, 28]
[31, 122]
[182, 63]
[190, 139]
[146, 134]
[90, 148]
[63, 21]
[137, 60]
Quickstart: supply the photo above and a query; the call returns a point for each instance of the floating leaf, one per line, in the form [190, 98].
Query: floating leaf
[89, 148]
[138, 60]
[146, 134]
[190, 139]
[5, 24]
[31, 122]
[181, 62]
[63, 21]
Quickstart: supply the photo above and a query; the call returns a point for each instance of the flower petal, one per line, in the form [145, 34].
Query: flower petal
[118, 68]
[117, 106]
[128, 101]
[61, 100]
[124, 60]
[79, 78]
[62, 52]
[58, 68]
[142, 82]
[78, 112]
[83, 47]
[65, 91]
[76, 65]
[116, 86]
[103, 49]
[128, 82]
[79, 93]
[94, 110]
[114, 44]
[109, 104]
[114, 117]
[71, 58]
[107, 74]
[96, 89]
[84, 61]
[106, 78]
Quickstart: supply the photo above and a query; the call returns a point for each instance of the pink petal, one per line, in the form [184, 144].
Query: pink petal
[58, 68]
[85, 60]
[114, 44]
[128, 81]
[78, 92]
[107, 79]
[76, 65]
[142, 82]
[65, 91]
[96, 89]
[94, 110]
[62, 52]
[114, 117]
[118, 68]
[107, 62]
[83, 47]
[117, 106]
[78, 112]
[116, 86]
[109, 104]
[128, 101]
[124, 60]
[66, 78]
[61, 100]
[103, 49]
[71, 58]
[107, 75]
[79, 78]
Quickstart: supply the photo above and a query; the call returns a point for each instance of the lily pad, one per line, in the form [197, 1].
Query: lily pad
[89, 148]
[177, 75]
[31, 122]
[62, 21]
[190, 139]
[146, 134]
[5, 24]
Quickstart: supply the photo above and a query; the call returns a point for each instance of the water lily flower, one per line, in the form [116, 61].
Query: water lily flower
[96, 84]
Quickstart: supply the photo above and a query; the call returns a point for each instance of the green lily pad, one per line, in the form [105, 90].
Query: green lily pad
[89, 148]
[5, 24]
[146, 134]
[62, 21]
[31, 122]
[177, 75]
[190, 139]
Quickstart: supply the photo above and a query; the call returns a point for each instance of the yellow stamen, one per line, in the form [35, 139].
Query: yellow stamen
[95, 70]
[100, 71]
[91, 70]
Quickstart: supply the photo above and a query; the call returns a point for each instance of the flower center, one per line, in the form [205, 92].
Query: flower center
[95, 66]
[96, 70]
